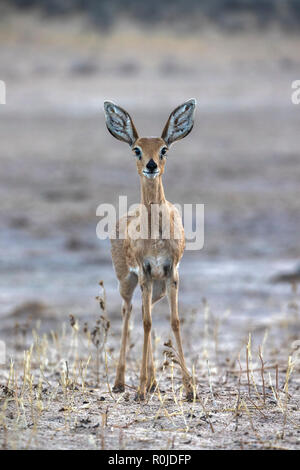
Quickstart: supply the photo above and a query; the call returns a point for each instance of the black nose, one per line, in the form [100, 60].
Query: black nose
[151, 165]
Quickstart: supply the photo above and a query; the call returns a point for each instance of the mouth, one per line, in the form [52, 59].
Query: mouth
[150, 174]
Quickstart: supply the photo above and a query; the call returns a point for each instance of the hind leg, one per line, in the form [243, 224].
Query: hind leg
[172, 292]
[127, 287]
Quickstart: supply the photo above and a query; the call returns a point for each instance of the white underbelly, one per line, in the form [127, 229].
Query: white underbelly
[157, 267]
[134, 270]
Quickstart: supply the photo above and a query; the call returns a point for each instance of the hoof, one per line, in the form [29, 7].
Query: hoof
[118, 388]
[152, 388]
[140, 396]
[190, 396]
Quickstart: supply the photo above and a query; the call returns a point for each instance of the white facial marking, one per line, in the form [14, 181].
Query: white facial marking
[150, 176]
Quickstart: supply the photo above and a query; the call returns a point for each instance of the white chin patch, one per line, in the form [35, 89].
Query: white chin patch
[150, 176]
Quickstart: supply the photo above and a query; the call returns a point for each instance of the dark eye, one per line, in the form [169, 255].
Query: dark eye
[138, 153]
[163, 152]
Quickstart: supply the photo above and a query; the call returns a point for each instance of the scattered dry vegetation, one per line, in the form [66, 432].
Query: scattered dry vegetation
[56, 391]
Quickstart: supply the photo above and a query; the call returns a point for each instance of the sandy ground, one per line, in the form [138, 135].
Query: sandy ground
[58, 163]
[57, 396]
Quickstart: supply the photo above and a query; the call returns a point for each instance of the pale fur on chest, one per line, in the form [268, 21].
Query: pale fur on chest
[156, 258]
[159, 266]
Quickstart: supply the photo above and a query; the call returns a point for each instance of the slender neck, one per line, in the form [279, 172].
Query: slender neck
[152, 191]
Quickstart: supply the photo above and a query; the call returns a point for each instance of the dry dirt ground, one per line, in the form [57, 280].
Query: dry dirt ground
[58, 163]
[57, 394]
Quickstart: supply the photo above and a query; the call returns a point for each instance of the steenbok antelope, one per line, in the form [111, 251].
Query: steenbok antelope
[151, 261]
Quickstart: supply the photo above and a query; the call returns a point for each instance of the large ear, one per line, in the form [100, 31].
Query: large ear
[180, 122]
[119, 123]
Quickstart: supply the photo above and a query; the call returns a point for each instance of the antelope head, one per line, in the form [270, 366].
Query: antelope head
[150, 152]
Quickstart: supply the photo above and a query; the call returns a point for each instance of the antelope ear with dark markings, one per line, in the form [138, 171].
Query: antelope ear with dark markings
[180, 122]
[119, 123]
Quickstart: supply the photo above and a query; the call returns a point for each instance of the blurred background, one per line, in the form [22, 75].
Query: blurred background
[60, 60]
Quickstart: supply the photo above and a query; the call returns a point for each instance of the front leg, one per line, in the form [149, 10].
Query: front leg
[172, 293]
[151, 381]
[146, 287]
